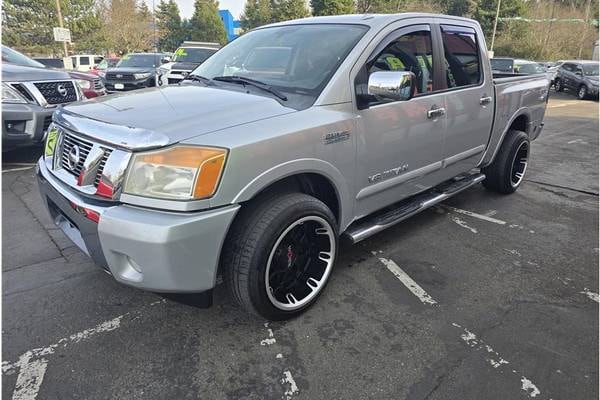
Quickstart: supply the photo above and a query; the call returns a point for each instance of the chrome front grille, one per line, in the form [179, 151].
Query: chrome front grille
[98, 84]
[68, 142]
[58, 92]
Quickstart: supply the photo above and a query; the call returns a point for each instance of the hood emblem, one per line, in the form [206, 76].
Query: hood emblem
[73, 157]
[61, 89]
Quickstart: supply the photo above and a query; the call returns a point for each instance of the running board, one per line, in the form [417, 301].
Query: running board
[379, 221]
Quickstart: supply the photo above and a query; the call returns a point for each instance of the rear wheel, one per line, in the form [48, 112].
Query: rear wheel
[505, 174]
[582, 93]
[280, 253]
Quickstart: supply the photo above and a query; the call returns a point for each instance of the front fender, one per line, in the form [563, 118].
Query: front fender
[297, 167]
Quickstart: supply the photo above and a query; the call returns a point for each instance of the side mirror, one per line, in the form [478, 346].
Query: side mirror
[392, 85]
[165, 60]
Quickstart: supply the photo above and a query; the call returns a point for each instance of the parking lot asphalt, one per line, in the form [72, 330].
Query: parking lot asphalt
[508, 306]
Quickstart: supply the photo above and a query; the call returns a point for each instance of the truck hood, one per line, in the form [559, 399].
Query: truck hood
[130, 70]
[174, 113]
[19, 73]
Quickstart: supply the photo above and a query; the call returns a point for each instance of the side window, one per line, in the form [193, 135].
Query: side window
[567, 67]
[409, 52]
[84, 61]
[463, 63]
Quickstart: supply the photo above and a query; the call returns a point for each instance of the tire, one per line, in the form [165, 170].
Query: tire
[281, 241]
[582, 93]
[505, 174]
[558, 86]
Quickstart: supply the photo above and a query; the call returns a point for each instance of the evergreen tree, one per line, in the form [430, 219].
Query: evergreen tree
[169, 25]
[285, 10]
[485, 13]
[256, 13]
[206, 24]
[332, 7]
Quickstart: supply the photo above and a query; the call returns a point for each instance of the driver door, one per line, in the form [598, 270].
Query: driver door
[400, 142]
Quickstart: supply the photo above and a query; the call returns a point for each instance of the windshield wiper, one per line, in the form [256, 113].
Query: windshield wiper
[248, 81]
[199, 78]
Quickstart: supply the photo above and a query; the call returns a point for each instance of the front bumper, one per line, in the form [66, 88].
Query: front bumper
[24, 124]
[147, 249]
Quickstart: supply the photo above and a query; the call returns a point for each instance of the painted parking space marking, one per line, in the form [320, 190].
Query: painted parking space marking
[16, 169]
[32, 364]
[408, 281]
[494, 359]
[462, 223]
[482, 217]
[591, 295]
[290, 388]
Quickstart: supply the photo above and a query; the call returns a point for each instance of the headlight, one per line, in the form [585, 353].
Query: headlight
[179, 173]
[163, 71]
[11, 95]
[83, 83]
[142, 76]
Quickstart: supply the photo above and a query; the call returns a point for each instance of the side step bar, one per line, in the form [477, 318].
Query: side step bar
[371, 225]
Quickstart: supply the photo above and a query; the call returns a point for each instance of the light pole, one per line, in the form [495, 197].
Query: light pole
[60, 23]
[495, 25]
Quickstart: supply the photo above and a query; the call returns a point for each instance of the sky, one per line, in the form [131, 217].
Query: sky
[186, 7]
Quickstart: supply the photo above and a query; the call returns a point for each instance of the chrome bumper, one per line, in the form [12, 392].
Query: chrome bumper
[148, 249]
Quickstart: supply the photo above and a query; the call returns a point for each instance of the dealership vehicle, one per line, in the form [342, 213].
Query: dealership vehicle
[86, 62]
[105, 64]
[134, 71]
[185, 59]
[91, 85]
[30, 94]
[56, 63]
[285, 139]
[581, 77]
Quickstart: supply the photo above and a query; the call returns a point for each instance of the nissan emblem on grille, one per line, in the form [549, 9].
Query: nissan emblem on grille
[73, 157]
[61, 89]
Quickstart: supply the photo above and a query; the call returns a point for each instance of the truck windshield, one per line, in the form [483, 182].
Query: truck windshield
[192, 54]
[590, 70]
[139, 60]
[294, 58]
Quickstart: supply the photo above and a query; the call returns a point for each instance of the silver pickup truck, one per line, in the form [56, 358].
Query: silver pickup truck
[286, 139]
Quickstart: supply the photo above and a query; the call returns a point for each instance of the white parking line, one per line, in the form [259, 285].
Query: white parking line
[475, 215]
[16, 169]
[494, 359]
[408, 282]
[591, 295]
[462, 223]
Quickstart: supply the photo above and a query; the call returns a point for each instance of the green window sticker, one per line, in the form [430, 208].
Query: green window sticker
[51, 142]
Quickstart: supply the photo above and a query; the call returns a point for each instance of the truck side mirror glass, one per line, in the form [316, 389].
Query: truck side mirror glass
[392, 85]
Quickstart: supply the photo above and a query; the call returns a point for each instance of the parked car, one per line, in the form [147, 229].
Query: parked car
[86, 62]
[339, 125]
[100, 69]
[185, 59]
[90, 84]
[516, 66]
[134, 71]
[580, 77]
[56, 63]
[30, 94]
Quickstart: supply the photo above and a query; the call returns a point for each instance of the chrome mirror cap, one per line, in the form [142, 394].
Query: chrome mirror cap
[392, 85]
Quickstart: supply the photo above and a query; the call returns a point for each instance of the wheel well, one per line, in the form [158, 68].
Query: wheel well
[313, 184]
[521, 123]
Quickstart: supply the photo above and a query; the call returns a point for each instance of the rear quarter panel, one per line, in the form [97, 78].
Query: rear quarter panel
[515, 97]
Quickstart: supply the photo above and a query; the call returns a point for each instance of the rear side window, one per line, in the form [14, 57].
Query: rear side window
[463, 62]
[84, 61]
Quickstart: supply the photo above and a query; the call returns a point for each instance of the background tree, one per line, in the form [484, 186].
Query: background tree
[168, 21]
[127, 26]
[284, 10]
[206, 24]
[332, 7]
[256, 13]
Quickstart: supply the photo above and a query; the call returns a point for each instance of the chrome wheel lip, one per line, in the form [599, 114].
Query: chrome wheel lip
[582, 92]
[516, 177]
[318, 285]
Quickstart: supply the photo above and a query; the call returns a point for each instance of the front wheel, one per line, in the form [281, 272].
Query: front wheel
[582, 93]
[505, 174]
[280, 253]
[558, 86]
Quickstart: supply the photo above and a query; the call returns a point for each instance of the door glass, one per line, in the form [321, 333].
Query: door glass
[410, 52]
[463, 64]
[84, 61]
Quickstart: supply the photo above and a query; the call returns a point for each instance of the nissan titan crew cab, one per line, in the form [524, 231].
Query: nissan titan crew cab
[285, 139]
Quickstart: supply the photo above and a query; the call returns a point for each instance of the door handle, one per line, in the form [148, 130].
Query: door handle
[436, 112]
[485, 100]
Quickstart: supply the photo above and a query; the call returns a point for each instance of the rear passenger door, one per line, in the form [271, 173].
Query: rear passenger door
[469, 99]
